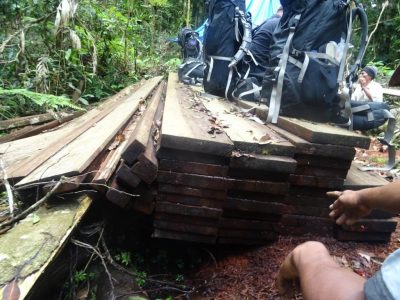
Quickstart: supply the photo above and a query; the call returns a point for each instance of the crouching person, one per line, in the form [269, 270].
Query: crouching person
[320, 277]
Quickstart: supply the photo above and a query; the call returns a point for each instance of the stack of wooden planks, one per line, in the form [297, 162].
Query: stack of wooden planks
[224, 178]
[76, 148]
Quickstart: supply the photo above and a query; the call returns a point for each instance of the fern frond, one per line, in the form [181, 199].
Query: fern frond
[43, 100]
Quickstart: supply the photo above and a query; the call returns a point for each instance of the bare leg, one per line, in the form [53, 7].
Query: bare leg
[319, 275]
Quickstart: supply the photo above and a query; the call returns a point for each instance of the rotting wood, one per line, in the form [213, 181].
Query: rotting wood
[33, 130]
[77, 155]
[66, 215]
[186, 128]
[138, 141]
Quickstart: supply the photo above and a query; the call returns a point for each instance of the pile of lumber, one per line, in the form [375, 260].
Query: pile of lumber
[76, 149]
[207, 170]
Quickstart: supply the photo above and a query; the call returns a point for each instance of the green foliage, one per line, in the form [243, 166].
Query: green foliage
[124, 258]
[81, 276]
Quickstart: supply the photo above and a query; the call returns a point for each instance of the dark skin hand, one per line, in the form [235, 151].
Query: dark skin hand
[348, 207]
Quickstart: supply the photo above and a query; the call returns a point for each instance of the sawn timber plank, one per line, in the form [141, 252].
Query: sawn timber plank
[185, 128]
[247, 135]
[77, 155]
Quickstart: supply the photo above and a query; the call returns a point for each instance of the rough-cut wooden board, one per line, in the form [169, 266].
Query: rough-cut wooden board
[268, 187]
[271, 163]
[372, 225]
[197, 181]
[185, 227]
[191, 191]
[118, 195]
[258, 175]
[139, 139]
[29, 158]
[213, 222]
[235, 223]
[318, 133]
[187, 156]
[320, 161]
[254, 206]
[75, 157]
[391, 92]
[48, 236]
[187, 129]
[125, 176]
[318, 182]
[191, 201]
[186, 210]
[304, 147]
[182, 236]
[247, 135]
[342, 235]
[147, 166]
[193, 168]
[262, 235]
[110, 163]
[357, 179]
[321, 171]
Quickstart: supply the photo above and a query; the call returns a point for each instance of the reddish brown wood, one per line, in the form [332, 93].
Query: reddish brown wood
[191, 191]
[197, 181]
[125, 176]
[195, 211]
[182, 236]
[191, 201]
[193, 168]
[185, 227]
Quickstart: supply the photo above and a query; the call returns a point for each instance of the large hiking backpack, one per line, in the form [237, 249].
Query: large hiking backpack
[254, 65]
[307, 58]
[191, 71]
[191, 46]
[226, 36]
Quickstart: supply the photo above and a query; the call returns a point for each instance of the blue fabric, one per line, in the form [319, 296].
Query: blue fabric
[260, 11]
[385, 284]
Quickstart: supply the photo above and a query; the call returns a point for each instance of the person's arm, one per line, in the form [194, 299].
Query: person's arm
[319, 275]
[352, 205]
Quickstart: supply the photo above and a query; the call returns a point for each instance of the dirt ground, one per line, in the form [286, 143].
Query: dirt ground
[250, 273]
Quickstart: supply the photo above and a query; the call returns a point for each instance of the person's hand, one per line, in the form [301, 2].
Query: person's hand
[348, 207]
[362, 81]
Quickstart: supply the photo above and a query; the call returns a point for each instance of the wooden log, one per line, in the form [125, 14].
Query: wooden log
[182, 236]
[236, 223]
[270, 163]
[305, 147]
[319, 182]
[188, 156]
[247, 135]
[191, 191]
[186, 210]
[187, 129]
[191, 201]
[71, 155]
[125, 176]
[179, 166]
[318, 133]
[184, 227]
[139, 139]
[197, 181]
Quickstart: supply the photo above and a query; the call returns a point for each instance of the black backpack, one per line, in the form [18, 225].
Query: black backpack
[226, 35]
[254, 65]
[191, 71]
[305, 68]
[191, 46]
